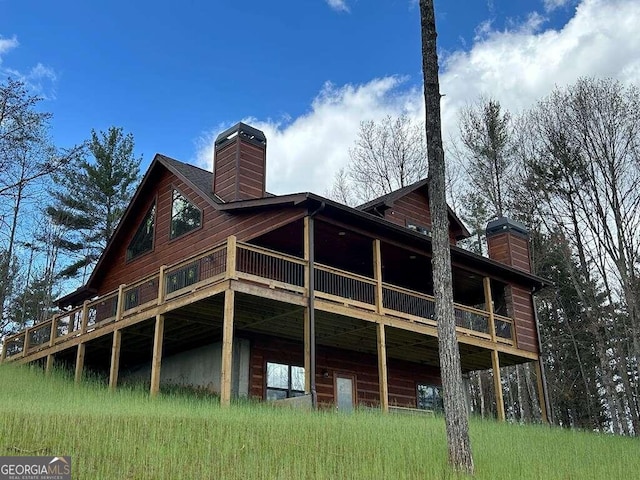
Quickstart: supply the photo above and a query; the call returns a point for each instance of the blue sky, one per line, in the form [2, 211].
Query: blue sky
[305, 72]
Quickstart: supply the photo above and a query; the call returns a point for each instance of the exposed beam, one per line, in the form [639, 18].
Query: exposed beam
[156, 361]
[227, 349]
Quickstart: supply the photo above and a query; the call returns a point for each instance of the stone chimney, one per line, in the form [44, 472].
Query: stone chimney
[239, 164]
[508, 242]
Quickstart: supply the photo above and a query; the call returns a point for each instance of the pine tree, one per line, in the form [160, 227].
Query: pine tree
[92, 196]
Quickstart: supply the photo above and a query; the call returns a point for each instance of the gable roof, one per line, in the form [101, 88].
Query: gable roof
[387, 201]
[200, 181]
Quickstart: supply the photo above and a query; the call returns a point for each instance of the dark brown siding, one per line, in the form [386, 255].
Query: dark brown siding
[511, 249]
[402, 376]
[217, 226]
[412, 208]
[522, 306]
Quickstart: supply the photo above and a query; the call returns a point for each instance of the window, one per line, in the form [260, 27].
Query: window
[185, 216]
[143, 239]
[419, 228]
[429, 397]
[284, 381]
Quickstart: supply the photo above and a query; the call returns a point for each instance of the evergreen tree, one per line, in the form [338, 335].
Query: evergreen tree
[92, 196]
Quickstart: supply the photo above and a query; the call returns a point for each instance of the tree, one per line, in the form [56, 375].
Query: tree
[455, 410]
[486, 134]
[387, 155]
[581, 162]
[93, 195]
[27, 159]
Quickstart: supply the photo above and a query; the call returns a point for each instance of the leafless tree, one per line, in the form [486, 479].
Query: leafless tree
[455, 410]
[387, 155]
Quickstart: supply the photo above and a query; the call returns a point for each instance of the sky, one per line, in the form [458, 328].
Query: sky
[175, 74]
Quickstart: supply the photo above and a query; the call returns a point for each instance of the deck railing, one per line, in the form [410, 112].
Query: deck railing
[260, 265]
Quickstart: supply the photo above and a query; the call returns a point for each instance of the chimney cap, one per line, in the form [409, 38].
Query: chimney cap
[504, 224]
[248, 132]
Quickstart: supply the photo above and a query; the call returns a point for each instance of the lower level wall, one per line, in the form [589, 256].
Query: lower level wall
[200, 368]
[402, 377]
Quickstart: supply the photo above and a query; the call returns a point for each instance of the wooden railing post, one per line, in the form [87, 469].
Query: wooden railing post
[25, 347]
[307, 248]
[3, 355]
[85, 317]
[488, 302]
[377, 272]
[161, 285]
[54, 330]
[120, 302]
[231, 257]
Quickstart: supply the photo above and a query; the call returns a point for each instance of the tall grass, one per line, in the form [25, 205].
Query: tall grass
[126, 434]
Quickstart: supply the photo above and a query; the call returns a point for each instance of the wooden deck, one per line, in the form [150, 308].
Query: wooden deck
[260, 275]
[264, 273]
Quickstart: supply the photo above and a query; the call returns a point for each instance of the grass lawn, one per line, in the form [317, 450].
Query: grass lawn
[127, 435]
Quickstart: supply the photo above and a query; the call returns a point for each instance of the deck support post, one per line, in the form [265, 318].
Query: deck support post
[156, 361]
[307, 352]
[497, 383]
[382, 368]
[49, 365]
[227, 348]
[3, 355]
[309, 255]
[79, 362]
[542, 398]
[115, 359]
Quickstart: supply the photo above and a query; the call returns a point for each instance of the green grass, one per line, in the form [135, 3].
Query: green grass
[126, 434]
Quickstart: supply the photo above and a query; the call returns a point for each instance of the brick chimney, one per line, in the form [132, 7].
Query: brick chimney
[239, 164]
[508, 243]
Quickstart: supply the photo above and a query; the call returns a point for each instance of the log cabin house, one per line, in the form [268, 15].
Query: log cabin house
[212, 282]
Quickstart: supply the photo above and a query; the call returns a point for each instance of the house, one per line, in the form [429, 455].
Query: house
[212, 282]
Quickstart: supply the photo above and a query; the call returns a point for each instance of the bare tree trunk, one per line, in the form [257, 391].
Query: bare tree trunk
[455, 411]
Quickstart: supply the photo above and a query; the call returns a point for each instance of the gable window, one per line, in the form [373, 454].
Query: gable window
[185, 216]
[142, 241]
[419, 228]
[429, 397]
[284, 381]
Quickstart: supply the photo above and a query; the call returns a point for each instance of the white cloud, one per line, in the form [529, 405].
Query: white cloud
[338, 5]
[550, 5]
[304, 153]
[518, 67]
[7, 44]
